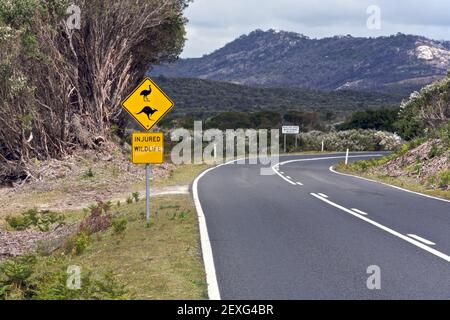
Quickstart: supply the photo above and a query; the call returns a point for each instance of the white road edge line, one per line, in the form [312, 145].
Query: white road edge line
[323, 195]
[360, 212]
[393, 232]
[208, 260]
[422, 239]
[389, 185]
[280, 174]
[299, 183]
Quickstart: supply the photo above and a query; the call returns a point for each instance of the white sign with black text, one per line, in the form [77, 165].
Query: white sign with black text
[291, 129]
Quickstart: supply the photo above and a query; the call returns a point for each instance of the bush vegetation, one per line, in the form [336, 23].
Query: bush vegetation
[355, 140]
[42, 220]
[21, 279]
[51, 99]
[203, 99]
[382, 119]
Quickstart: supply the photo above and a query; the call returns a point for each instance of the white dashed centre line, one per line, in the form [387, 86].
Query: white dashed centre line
[360, 212]
[422, 239]
[421, 245]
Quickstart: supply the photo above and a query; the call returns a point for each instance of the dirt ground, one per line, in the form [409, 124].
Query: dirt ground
[78, 181]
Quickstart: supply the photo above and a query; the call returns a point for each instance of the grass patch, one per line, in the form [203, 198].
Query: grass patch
[159, 262]
[182, 175]
[128, 261]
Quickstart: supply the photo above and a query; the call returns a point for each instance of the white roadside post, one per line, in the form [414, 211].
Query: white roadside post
[346, 157]
[323, 146]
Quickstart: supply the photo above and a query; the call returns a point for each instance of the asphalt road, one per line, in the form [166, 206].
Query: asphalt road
[309, 233]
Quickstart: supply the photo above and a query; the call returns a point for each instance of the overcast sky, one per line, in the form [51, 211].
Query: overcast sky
[214, 23]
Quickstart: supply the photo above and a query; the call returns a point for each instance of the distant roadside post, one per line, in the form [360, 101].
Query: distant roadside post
[147, 104]
[290, 130]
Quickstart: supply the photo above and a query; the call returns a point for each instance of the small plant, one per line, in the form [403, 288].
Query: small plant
[14, 277]
[42, 220]
[136, 196]
[20, 280]
[18, 223]
[444, 179]
[129, 200]
[77, 244]
[107, 206]
[119, 204]
[98, 220]
[435, 151]
[119, 226]
[89, 173]
[184, 215]
[81, 243]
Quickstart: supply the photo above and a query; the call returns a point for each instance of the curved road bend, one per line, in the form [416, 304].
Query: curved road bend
[309, 233]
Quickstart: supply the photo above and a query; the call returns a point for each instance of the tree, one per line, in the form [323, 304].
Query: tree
[61, 88]
[382, 119]
[428, 109]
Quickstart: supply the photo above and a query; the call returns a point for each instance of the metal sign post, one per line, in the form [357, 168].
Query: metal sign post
[148, 171]
[148, 149]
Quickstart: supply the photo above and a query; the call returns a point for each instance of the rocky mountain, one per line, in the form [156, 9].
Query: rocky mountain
[399, 63]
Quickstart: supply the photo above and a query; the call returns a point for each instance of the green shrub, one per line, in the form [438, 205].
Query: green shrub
[444, 134]
[77, 244]
[89, 174]
[435, 151]
[136, 196]
[119, 225]
[43, 220]
[53, 286]
[444, 179]
[18, 223]
[21, 279]
[107, 206]
[15, 275]
[98, 220]
[129, 200]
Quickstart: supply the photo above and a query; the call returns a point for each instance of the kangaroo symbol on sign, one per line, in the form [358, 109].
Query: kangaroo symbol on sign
[148, 111]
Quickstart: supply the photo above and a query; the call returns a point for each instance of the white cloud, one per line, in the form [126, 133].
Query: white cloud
[213, 23]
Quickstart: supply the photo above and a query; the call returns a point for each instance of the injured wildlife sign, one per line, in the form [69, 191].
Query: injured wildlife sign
[148, 148]
[147, 104]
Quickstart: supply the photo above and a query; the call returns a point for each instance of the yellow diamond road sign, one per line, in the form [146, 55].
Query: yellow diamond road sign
[147, 104]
